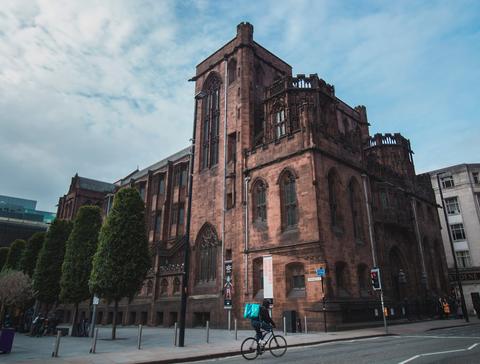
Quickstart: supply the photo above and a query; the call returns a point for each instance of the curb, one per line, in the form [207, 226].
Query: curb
[238, 352]
[451, 327]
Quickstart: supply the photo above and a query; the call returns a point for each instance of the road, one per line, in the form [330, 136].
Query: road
[454, 345]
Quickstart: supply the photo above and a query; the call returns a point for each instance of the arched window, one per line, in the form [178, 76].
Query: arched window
[356, 208]
[149, 287]
[333, 199]
[341, 278]
[398, 274]
[288, 200]
[210, 125]
[259, 201]
[176, 285]
[295, 274]
[232, 70]
[164, 287]
[207, 243]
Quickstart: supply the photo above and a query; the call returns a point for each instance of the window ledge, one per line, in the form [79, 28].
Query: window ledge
[297, 293]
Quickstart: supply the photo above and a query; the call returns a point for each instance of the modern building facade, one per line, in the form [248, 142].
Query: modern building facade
[19, 219]
[460, 186]
[287, 183]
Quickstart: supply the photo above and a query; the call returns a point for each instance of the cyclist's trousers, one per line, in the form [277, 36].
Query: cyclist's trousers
[258, 325]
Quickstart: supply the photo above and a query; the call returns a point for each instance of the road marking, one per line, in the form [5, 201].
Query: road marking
[439, 337]
[438, 353]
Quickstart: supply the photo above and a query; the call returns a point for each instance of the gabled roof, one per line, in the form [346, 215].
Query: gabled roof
[95, 185]
[156, 166]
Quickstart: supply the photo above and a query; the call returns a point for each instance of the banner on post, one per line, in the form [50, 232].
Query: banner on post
[228, 286]
[268, 277]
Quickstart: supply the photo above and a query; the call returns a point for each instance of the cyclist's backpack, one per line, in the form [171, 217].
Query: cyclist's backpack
[252, 310]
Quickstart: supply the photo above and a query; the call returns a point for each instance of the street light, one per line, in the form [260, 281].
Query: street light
[457, 276]
[186, 261]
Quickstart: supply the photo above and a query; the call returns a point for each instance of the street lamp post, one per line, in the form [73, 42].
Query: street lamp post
[457, 276]
[186, 260]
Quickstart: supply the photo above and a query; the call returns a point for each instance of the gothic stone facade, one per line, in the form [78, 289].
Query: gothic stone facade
[284, 168]
[280, 170]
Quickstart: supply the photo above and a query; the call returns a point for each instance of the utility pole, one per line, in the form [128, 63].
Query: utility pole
[186, 261]
[457, 276]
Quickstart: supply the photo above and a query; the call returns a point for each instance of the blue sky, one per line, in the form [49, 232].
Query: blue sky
[101, 87]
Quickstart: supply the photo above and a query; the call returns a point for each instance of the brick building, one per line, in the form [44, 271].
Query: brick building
[283, 168]
[83, 191]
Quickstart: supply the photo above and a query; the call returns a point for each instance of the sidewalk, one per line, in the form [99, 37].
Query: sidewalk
[157, 344]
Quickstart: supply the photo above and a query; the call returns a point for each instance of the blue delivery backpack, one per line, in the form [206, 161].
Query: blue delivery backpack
[252, 310]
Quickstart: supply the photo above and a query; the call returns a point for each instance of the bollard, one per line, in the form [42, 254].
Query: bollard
[139, 341]
[175, 338]
[57, 344]
[208, 331]
[229, 320]
[306, 329]
[236, 331]
[284, 326]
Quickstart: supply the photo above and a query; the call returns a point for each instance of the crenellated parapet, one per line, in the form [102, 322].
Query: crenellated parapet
[392, 151]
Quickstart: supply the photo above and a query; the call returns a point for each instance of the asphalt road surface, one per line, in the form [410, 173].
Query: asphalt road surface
[454, 345]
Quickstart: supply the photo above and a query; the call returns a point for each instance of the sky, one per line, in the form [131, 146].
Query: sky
[100, 87]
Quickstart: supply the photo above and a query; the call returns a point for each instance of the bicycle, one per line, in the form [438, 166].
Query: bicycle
[251, 348]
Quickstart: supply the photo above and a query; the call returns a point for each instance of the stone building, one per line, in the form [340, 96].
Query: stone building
[83, 191]
[285, 170]
[461, 193]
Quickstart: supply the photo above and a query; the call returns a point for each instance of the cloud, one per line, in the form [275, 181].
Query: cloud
[101, 87]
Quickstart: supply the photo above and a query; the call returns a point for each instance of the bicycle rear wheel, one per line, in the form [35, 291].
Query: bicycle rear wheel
[249, 348]
[277, 345]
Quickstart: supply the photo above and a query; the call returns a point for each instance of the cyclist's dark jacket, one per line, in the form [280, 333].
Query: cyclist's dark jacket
[264, 316]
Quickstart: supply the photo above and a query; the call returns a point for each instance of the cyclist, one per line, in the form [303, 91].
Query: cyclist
[263, 321]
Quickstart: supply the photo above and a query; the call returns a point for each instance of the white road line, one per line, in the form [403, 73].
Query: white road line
[439, 337]
[438, 353]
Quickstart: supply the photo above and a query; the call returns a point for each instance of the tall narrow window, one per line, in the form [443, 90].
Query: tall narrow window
[232, 71]
[289, 200]
[161, 185]
[176, 285]
[206, 243]
[181, 219]
[211, 117]
[164, 287]
[334, 199]
[157, 226]
[259, 202]
[355, 207]
[279, 123]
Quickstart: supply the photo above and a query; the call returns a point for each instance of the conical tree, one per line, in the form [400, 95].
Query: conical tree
[30, 254]
[3, 256]
[15, 254]
[46, 278]
[123, 258]
[77, 265]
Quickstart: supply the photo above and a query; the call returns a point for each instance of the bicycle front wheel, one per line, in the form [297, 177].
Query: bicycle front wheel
[249, 348]
[278, 345]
